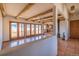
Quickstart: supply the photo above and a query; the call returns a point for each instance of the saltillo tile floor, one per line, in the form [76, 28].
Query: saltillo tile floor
[68, 47]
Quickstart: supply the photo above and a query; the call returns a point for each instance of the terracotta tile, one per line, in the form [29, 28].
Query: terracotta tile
[69, 47]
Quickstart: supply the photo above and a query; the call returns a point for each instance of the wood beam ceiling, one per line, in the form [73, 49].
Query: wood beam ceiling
[43, 13]
[27, 7]
[50, 16]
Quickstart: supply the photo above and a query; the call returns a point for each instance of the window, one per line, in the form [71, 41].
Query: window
[28, 29]
[44, 28]
[39, 29]
[36, 29]
[32, 29]
[21, 30]
[14, 30]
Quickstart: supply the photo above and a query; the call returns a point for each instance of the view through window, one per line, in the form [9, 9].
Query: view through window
[21, 30]
[32, 29]
[28, 29]
[13, 30]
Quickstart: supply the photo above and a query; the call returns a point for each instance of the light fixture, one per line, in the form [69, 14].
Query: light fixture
[72, 9]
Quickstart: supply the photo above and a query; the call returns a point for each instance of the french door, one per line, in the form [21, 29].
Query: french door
[21, 30]
[40, 29]
[32, 29]
[28, 29]
[16, 30]
[37, 29]
[13, 29]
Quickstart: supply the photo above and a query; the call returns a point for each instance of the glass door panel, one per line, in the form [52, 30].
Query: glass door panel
[32, 29]
[28, 29]
[44, 28]
[39, 29]
[21, 30]
[36, 29]
[14, 30]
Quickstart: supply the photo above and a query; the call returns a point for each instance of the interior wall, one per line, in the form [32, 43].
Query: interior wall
[1, 28]
[61, 28]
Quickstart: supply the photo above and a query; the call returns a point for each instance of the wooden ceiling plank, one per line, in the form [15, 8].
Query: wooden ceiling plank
[27, 7]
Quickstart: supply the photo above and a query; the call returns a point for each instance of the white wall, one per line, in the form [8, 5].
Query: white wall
[62, 28]
[1, 34]
[66, 15]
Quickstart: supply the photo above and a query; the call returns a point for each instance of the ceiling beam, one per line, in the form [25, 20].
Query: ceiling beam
[49, 23]
[47, 20]
[50, 16]
[2, 10]
[46, 17]
[27, 7]
[43, 13]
